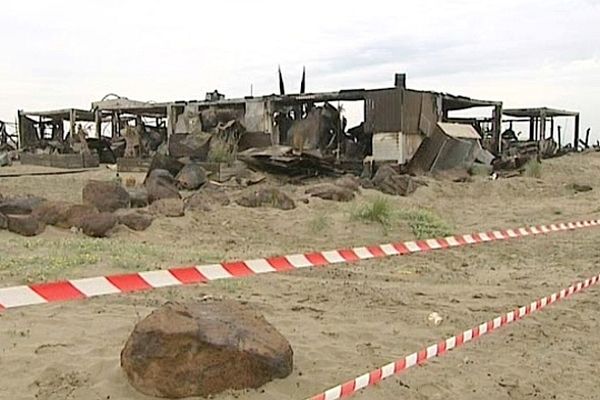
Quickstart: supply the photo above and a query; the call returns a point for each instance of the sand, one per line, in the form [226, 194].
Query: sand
[341, 321]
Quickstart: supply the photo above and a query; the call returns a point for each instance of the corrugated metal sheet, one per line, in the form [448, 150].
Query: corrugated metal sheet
[462, 131]
[430, 113]
[411, 111]
[383, 111]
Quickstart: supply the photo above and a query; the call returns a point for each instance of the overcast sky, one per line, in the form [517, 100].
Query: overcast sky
[57, 54]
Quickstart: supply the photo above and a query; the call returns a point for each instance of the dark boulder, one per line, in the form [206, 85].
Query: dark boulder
[165, 162]
[161, 185]
[389, 181]
[62, 214]
[200, 349]
[138, 197]
[106, 196]
[206, 200]
[98, 225]
[266, 197]
[25, 225]
[135, 220]
[191, 177]
[194, 145]
[21, 205]
[169, 208]
[329, 191]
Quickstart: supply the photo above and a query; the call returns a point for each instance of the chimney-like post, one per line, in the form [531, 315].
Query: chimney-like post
[400, 81]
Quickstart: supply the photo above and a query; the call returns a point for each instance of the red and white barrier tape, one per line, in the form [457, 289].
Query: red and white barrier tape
[350, 388]
[75, 289]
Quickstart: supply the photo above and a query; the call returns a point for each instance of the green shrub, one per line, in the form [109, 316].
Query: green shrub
[425, 224]
[378, 210]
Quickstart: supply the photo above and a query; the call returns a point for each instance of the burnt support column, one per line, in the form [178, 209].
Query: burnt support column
[542, 126]
[72, 121]
[531, 128]
[576, 141]
[497, 127]
[98, 121]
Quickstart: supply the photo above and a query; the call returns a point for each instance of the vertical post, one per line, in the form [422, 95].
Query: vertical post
[170, 120]
[552, 128]
[542, 125]
[559, 138]
[497, 126]
[98, 121]
[576, 144]
[531, 129]
[72, 120]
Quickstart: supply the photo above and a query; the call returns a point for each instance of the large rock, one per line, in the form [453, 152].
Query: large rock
[164, 162]
[161, 185]
[329, 191]
[170, 208]
[138, 197]
[106, 196]
[388, 181]
[135, 220]
[191, 177]
[349, 182]
[266, 197]
[193, 145]
[25, 225]
[206, 200]
[98, 225]
[200, 349]
[62, 214]
[21, 205]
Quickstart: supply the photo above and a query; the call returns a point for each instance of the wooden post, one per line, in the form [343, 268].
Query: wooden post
[552, 128]
[576, 144]
[531, 128]
[72, 121]
[497, 127]
[542, 126]
[98, 121]
[559, 139]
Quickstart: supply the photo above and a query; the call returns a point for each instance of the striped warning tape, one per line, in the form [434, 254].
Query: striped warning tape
[75, 289]
[351, 387]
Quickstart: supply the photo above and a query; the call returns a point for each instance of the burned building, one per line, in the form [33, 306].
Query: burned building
[393, 123]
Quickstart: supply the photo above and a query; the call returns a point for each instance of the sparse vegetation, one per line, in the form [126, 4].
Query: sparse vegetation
[378, 210]
[480, 170]
[533, 169]
[425, 224]
[318, 223]
[222, 151]
[42, 260]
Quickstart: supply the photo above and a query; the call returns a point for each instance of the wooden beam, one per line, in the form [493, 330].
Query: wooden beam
[576, 141]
